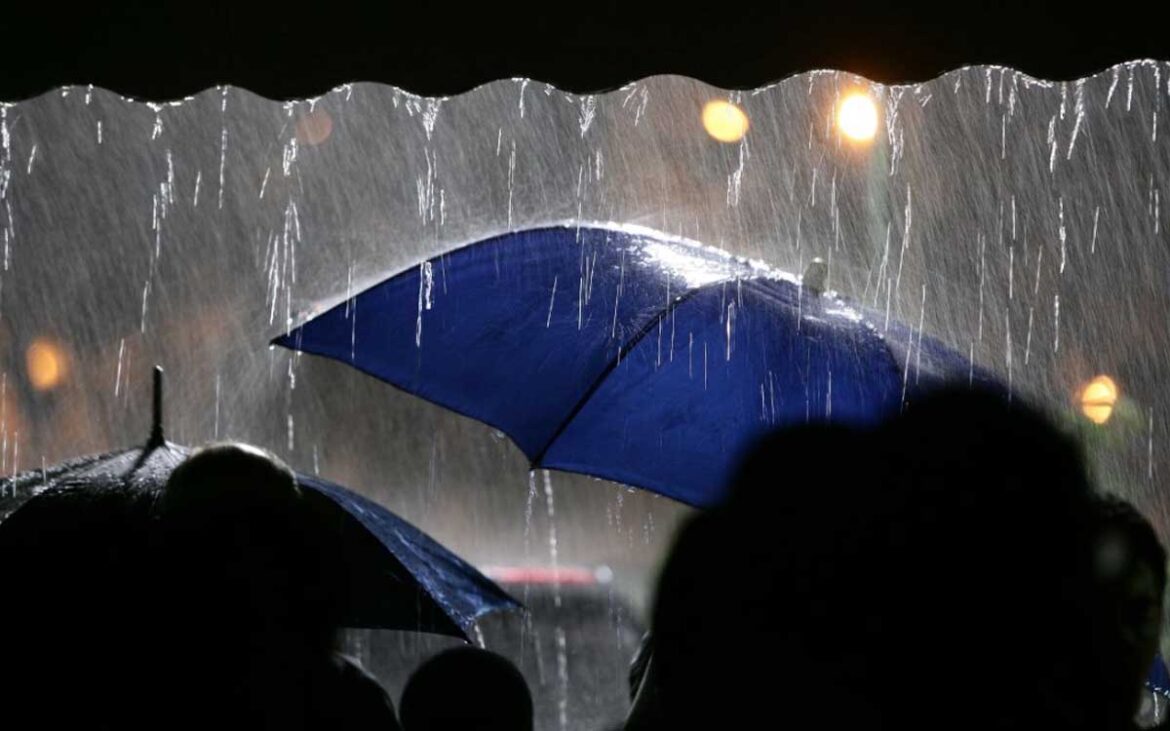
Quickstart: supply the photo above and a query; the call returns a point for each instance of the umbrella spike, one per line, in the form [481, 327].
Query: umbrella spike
[156, 426]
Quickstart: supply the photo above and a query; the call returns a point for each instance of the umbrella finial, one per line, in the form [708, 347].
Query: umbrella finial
[815, 275]
[156, 428]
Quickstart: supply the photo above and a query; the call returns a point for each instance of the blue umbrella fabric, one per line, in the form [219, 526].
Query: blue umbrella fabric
[1158, 680]
[387, 573]
[626, 354]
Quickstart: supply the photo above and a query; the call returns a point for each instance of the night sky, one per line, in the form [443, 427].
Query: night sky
[296, 49]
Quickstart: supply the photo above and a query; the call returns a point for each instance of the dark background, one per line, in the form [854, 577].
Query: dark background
[165, 50]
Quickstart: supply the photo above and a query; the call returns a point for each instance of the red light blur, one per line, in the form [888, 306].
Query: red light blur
[541, 575]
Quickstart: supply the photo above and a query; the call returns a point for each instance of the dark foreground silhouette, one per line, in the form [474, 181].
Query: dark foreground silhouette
[466, 688]
[940, 571]
[953, 568]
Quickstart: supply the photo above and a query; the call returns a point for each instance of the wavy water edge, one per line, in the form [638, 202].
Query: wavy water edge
[67, 90]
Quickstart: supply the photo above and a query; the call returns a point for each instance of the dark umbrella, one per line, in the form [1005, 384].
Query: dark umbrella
[389, 574]
[628, 355]
[1158, 679]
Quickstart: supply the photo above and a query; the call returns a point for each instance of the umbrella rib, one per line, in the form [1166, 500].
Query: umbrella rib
[148, 450]
[628, 346]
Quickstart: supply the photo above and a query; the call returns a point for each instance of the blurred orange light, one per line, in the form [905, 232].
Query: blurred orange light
[1098, 397]
[857, 117]
[314, 127]
[46, 365]
[724, 121]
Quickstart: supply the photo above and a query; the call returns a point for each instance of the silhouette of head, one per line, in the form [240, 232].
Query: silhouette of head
[466, 688]
[244, 619]
[757, 604]
[238, 541]
[987, 589]
[879, 575]
[1129, 569]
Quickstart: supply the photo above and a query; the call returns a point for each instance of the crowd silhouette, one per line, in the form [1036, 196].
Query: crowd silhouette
[953, 568]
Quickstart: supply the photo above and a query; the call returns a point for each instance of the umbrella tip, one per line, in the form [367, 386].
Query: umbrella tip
[815, 275]
[156, 428]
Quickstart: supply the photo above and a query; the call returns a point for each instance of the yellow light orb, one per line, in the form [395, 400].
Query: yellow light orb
[857, 117]
[1098, 397]
[46, 365]
[724, 121]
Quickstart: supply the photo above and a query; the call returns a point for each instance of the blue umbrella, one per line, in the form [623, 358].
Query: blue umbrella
[626, 354]
[1158, 680]
[387, 573]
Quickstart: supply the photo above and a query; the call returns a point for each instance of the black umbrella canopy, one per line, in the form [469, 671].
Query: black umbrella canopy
[170, 50]
[386, 573]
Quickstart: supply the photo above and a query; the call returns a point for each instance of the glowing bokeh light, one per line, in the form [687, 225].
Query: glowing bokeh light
[46, 365]
[724, 121]
[1098, 397]
[857, 117]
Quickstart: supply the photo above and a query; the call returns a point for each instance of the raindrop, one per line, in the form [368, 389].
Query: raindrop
[562, 676]
[1063, 235]
[1056, 323]
[145, 297]
[425, 282]
[552, 536]
[353, 305]
[1080, 110]
[1011, 272]
[1096, 220]
[528, 510]
[1028, 340]
[730, 327]
[1129, 90]
[430, 115]
[1150, 447]
[829, 396]
[158, 123]
[511, 180]
[222, 158]
[552, 300]
[587, 112]
[118, 374]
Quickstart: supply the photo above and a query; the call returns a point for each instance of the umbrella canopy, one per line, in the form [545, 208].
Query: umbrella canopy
[387, 573]
[1158, 680]
[626, 354]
